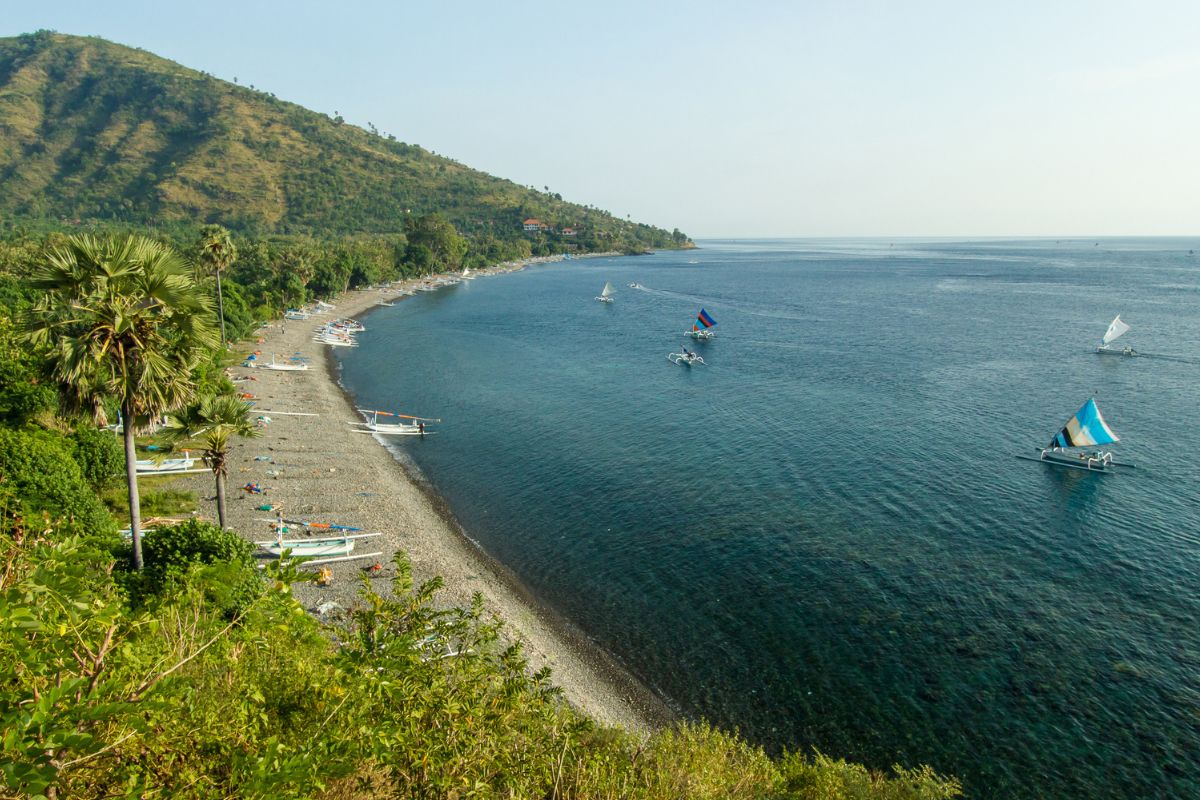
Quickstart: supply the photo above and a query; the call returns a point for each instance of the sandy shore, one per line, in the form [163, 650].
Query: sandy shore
[318, 468]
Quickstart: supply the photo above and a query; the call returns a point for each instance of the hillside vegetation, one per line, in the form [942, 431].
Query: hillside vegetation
[94, 131]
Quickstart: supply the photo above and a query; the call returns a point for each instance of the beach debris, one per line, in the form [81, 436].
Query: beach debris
[253, 488]
[266, 507]
[327, 606]
[373, 569]
[263, 458]
[324, 576]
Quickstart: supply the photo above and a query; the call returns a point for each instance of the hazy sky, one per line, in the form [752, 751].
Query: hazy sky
[743, 119]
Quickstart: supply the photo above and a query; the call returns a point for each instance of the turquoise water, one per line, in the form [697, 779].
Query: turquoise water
[823, 537]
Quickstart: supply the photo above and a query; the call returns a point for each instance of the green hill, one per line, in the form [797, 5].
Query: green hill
[97, 132]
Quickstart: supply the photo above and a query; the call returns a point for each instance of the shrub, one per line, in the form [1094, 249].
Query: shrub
[40, 470]
[100, 456]
[222, 560]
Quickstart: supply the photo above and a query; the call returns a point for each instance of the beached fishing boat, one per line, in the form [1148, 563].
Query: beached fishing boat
[1086, 429]
[310, 548]
[314, 548]
[685, 358]
[414, 428]
[282, 367]
[702, 328]
[606, 293]
[149, 465]
[1116, 329]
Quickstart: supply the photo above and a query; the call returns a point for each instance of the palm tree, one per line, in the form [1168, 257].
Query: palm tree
[217, 252]
[121, 319]
[215, 420]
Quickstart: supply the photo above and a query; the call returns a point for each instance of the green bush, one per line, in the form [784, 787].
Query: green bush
[100, 455]
[222, 560]
[40, 470]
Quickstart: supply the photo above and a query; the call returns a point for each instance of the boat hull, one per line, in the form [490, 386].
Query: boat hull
[1080, 461]
[605, 299]
[680, 358]
[1128, 352]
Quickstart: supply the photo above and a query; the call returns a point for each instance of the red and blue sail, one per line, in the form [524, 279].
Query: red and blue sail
[703, 321]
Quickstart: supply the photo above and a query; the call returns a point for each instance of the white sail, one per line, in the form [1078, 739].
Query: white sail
[607, 291]
[1116, 329]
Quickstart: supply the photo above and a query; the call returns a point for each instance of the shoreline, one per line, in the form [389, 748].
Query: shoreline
[318, 469]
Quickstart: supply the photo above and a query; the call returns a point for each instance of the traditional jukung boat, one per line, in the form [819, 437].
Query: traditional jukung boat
[702, 328]
[1116, 329]
[685, 358]
[606, 293]
[414, 428]
[149, 465]
[1086, 429]
[314, 548]
[280, 367]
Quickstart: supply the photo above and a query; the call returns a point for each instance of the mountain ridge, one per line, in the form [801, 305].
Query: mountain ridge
[93, 130]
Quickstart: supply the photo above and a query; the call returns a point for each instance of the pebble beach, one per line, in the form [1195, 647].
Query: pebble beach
[325, 469]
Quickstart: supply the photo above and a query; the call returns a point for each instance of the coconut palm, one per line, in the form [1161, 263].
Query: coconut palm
[214, 421]
[217, 252]
[121, 319]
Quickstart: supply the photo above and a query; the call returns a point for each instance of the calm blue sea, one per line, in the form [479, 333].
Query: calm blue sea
[824, 537]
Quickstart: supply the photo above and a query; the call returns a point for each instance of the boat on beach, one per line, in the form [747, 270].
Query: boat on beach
[281, 367]
[149, 465]
[1116, 329]
[314, 548]
[1086, 429]
[414, 428]
[702, 328]
[606, 293]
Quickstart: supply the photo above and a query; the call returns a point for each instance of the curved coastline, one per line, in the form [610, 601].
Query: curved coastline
[317, 468]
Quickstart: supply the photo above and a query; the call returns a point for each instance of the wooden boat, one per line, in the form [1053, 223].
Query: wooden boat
[702, 328]
[606, 293]
[414, 428]
[685, 358]
[282, 367]
[1116, 329]
[149, 465]
[314, 548]
[1086, 429]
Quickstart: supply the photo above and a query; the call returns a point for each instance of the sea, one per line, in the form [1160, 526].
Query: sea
[824, 537]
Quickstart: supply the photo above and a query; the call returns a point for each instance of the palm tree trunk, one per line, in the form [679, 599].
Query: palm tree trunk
[221, 500]
[221, 312]
[135, 511]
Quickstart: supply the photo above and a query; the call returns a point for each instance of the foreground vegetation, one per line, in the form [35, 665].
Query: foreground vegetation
[199, 675]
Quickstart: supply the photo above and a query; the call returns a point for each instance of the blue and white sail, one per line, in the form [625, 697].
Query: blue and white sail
[1086, 429]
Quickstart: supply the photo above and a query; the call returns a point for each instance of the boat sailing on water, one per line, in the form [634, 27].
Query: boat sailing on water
[702, 328]
[1116, 329]
[686, 358]
[606, 293]
[1086, 429]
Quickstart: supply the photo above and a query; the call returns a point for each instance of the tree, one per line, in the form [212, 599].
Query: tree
[215, 420]
[217, 252]
[439, 236]
[121, 319]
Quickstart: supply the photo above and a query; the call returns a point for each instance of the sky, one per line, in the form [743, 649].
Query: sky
[746, 119]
